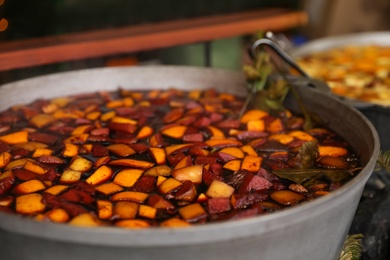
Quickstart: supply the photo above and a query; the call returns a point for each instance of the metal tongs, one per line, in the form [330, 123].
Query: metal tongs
[303, 79]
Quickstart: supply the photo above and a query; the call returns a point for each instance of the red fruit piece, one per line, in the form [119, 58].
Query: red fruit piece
[24, 175]
[50, 175]
[208, 177]
[193, 138]
[218, 205]
[100, 131]
[229, 123]
[6, 183]
[246, 135]
[4, 147]
[122, 127]
[145, 184]
[253, 182]
[48, 159]
[159, 202]
[99, 150]
[77, 196]
[203, 121]
[187, 192]
[244, 200]
[205, 160]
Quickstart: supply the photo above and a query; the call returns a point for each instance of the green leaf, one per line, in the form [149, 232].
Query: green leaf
[308, 154]
[352, 248]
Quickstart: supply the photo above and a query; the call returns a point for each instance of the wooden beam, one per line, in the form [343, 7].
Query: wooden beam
[77, 46]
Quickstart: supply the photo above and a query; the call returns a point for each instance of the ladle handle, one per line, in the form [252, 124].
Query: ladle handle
[279, 51]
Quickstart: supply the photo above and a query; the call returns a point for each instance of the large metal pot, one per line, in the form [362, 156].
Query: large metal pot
[314, 230]
[378, 115]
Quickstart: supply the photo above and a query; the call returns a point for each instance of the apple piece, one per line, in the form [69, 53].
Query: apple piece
[85, 220]
[102, 161]
[7, 179]
[158, 155]
[77, 196]
[249, 150]
[126, 209]
[18, 163]
[159, 202]
[208, 177]
[77, 139]
[131, 163]
[145, 132]
[107, 116]
[333, 162]
[245, 200]
[42, 152]
[174, 223]
[281, 138]
[229, 123]
[176, 131]
[186, 161]
[30, 186]
[221, 143]
[192, 173]
[29, 204]
[24, 175]
[145, 184]
[132, 223]
[122, 127]
[99, 150]
[80, 164]
[161, 170]
[105, 209]
[233, 165]
[275, 126]
[169, 185]
[156, 140]
[134, 196]
[56, 189]
[215, 132]
[42, 137]
[192, 212]
[301, 135]
[109, 188]
[121, 150]
[193, 138]
[123, 120]
[254, 182]
[223, 157]
[70, 176]
[146, 211]
[101, 131]
[173, 115]
[82, 129]
[58, 215]
[127, 177]
[218, 205]
[255, 125]
[187, 192]
[160, 179]
[70, 150]
[177, 148]
[282, 155]
[248, 135]
[254, 114]
[102, 174]
[15, 137]
[202, 198]
[257, 143]
[233, 151]
[332, 151]
[219, 189]
[6, 201]
[33, 166]
[29, 146]
[94, 115]
[175, 158]
[5, 158]
[49, 159]
[42, 120]
[286, 197]
[251, 163]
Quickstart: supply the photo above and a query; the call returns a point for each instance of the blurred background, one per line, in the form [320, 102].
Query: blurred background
[34, 25]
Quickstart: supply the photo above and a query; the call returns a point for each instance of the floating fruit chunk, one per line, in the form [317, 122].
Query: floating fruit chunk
[135, 196]
[332, 151]
[170, 184]
[127, 177]
[132, 223]
[233, 165]
[192, 212]
[187, 192]
[255, 125]
[85, 220]
[174, 223]
[126, 209]
[104, 209]
[56, 189]
[221, 143]
[70, 150]
[70, 176]
[249, 150]
[159, 202]
[29, 187]
[215, 131]
[30, 204]
[146, 211]
[161, 170]
[145, 131]
[102, 174]
[191, 173]
[333, 162]
[80, 164]
[251, 163]
[218, 205]
[58, 215]
[42, 120]
[5, 158]
[15, 138]
[34, 167]
[131, 163]
[286, 197]
[253, 115]
[219, 189]
[109, 188]
[121, 150]
[158, 155]
[233, 151]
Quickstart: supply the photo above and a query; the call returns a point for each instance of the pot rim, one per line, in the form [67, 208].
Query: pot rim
[198, 234]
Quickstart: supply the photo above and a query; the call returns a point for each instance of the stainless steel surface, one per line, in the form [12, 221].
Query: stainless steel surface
[314, 230]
